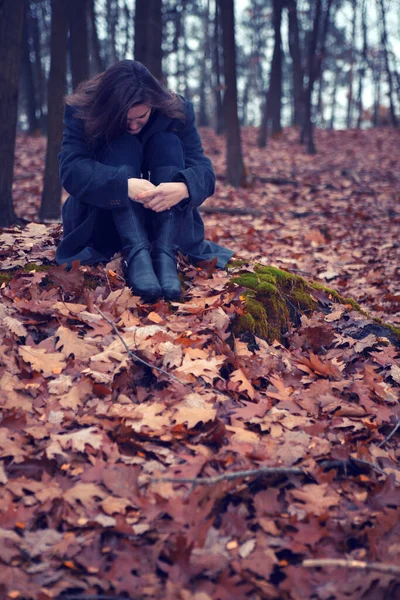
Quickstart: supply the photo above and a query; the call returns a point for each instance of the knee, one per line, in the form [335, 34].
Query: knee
[163, 146]
[123, 150]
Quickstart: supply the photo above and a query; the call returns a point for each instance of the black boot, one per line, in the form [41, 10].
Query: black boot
[166, 226]
[139, 271]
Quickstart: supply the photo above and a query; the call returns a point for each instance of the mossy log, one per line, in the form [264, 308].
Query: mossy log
[275, 299]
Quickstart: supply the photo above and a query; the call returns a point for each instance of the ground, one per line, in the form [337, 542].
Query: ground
[120, 478]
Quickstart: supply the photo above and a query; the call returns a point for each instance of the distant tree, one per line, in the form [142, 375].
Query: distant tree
[384, 38]
[51, 196]
[235, 167]
[28, 80]
[96, 58]
[203, 112]
[217, 83]
[363, 63]
[350, 92]
[316, 52]
[148, 35]
[275, 84]
[78, 40]
[11, 24]
[297, 63]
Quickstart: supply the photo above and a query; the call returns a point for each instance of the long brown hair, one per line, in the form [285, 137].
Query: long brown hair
[103, 102]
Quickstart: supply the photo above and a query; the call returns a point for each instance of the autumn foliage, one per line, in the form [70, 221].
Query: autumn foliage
[122, 424]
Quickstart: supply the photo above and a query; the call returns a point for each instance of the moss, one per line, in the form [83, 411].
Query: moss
[235, 263]
[34, 267]
[334, 294]
[5, 277]
[276, 298]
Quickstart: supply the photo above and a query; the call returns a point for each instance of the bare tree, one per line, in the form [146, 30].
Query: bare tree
[78, 41]
[219, 111]
[95, 48]
[27, 73]
[387, 66]
[275, 84]
[363, 63]
[235, 167]
[148, 35]
[11, 23]
[315, 57]
[349, 118]
[51, 196]
[297, 63]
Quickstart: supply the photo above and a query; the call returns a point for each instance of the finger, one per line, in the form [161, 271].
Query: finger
[145, 194]
[155, 201]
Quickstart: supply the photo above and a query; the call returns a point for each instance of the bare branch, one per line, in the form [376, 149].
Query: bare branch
[137, 358]
[352, 564]
[231, 476]
[389, 437]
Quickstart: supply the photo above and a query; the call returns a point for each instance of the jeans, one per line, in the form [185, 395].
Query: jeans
[158, 160]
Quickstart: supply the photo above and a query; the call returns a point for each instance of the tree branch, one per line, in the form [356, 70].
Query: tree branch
[231, 476]
[137, 358]
[389, 437]
[352, 564]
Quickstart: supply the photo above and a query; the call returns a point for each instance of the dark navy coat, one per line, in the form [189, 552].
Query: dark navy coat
[93, 185]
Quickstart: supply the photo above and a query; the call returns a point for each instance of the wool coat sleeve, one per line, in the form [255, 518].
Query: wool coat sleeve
[198, 174]
[84, 177]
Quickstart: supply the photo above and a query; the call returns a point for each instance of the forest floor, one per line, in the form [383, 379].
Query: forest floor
[121, 479]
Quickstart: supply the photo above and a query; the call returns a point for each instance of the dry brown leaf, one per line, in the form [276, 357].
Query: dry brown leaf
[48, 363]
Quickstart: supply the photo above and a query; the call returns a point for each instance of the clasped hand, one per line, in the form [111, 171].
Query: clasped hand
[158, 198]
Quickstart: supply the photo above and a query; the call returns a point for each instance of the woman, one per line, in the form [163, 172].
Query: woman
[132, 161]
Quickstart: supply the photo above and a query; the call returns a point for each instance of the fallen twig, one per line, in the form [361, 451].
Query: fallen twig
[389, 437]
[345, 464]
[352, 564]
[137, 358]
[231, 210]
[231, 476]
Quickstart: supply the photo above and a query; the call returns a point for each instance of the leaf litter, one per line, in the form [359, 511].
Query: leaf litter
[91, 441]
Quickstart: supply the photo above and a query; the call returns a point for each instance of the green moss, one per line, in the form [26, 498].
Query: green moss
[5, 277]
[334, 294]
[275, 298]
[235, 263]
[34, 267]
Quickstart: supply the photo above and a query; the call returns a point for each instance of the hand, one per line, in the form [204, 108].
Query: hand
[136, 185]
[164, 196]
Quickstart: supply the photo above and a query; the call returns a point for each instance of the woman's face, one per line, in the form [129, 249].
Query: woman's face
[137, 118]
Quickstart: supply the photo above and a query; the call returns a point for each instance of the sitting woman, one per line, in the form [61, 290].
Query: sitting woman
[132, 161]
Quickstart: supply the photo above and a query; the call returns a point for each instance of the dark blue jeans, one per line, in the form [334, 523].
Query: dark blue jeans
[158, 160]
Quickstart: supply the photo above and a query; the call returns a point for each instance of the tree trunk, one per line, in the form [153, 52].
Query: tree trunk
[349, 118]
[307, 133]
[11, 24]
[148, 35]
[235, 168]
[78, 41]
[377, 75]
[95, 53]
[334, 98]
[203, 113]
[275, 85]
[388, 71]
[363, 64]
[263, 131]
[112, 20]
[297, 64]
[219, 111]
[27, 74]
[51, 197]
[39, 75]
[315, 69]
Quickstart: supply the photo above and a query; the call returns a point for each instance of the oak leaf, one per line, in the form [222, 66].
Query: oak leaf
[47, 363]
